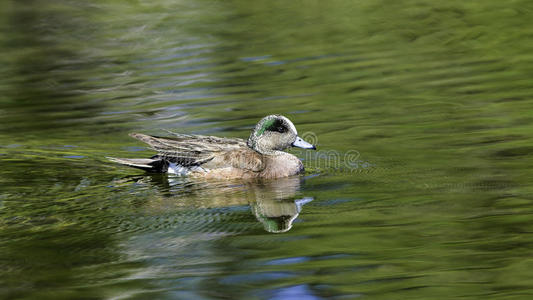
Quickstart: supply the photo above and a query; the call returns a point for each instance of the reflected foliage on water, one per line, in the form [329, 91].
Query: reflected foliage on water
[421, 112]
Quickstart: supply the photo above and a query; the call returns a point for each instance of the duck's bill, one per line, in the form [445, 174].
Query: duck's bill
[300, 143]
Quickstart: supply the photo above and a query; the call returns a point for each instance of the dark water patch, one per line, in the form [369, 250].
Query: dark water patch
[514, 152]
[252, 278]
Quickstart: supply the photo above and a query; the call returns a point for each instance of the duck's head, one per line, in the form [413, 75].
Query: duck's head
[275, 132]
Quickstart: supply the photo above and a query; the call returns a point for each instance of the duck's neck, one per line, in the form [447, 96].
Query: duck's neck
[275, 153]
[268, 151]
[261, 148]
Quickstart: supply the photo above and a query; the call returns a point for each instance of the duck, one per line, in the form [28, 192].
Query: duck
[262, 155]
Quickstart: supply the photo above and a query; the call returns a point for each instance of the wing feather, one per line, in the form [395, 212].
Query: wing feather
[188, 150]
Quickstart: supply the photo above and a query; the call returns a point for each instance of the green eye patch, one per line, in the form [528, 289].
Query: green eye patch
[272, 125]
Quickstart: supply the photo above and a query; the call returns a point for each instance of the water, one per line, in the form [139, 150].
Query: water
[421, 112]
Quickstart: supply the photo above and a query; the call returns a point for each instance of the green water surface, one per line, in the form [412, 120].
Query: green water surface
[422, 112]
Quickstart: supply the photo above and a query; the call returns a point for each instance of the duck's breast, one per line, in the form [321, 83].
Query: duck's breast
[282, 165]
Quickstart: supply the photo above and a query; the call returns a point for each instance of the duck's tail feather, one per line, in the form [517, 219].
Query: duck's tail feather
[155, 164]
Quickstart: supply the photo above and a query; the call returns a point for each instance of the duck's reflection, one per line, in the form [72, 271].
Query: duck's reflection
[277, 216]
[274, 203]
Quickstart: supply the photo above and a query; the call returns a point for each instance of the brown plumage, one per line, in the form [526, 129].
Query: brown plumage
[215, 157]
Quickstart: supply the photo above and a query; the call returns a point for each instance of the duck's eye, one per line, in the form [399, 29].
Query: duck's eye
[278, 126]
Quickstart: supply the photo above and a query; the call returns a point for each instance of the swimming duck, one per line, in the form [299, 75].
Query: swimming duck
[261, 156]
